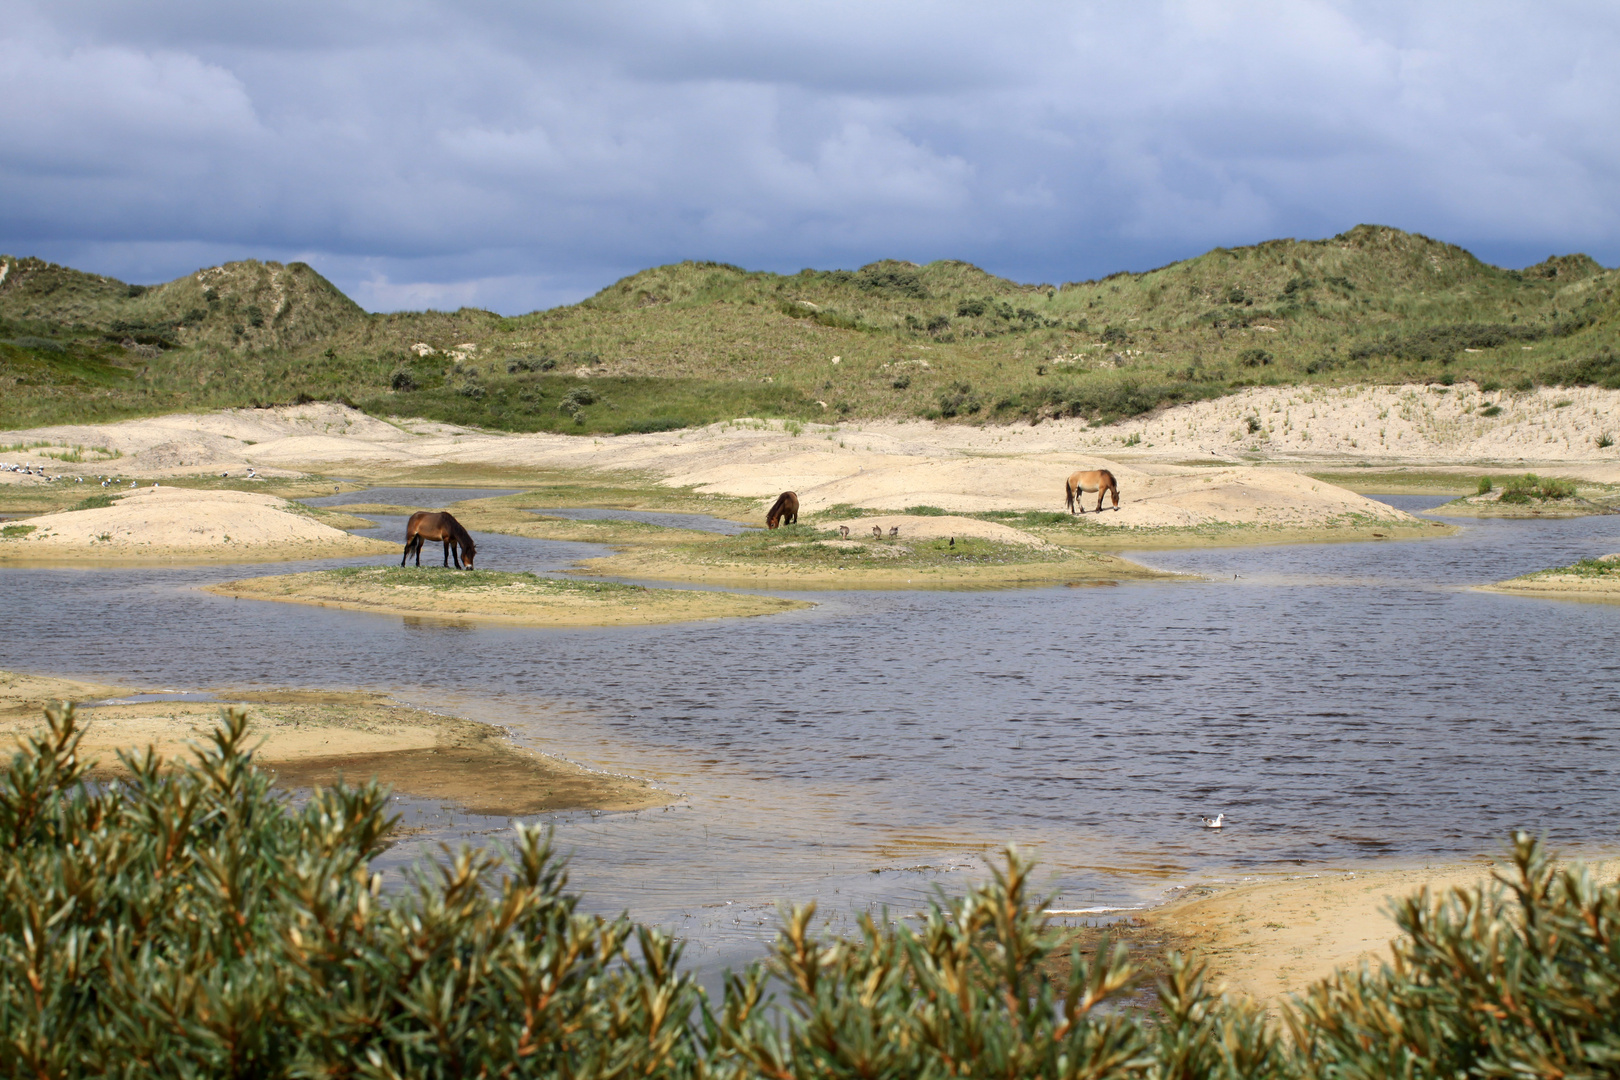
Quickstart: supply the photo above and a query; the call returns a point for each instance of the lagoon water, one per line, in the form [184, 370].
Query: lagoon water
[1339, 703]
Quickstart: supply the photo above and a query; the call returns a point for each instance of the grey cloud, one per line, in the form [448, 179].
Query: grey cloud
[516, 155]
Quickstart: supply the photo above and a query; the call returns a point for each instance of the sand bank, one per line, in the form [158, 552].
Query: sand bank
[1276, 936]
[493, 596]
[311, 737]
[1589, 579]
[929, 552]
[163, 524]
[1492, 505]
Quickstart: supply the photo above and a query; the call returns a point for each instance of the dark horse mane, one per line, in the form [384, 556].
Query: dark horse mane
[463, 538]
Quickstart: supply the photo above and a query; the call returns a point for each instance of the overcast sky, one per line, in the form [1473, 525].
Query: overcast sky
[519, 155]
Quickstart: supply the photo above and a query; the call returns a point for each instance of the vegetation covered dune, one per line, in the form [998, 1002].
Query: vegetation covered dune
[307, 737]
[498, 597]
[695, 343]
[161, 524]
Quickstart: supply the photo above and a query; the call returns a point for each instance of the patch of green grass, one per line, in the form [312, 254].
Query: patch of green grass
[95, 502]
[801, 545]
[1606, 567]
[926, 511]
[16, 532]
[443, 579]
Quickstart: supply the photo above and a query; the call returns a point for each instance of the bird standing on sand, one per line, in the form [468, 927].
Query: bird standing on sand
[1215, 822]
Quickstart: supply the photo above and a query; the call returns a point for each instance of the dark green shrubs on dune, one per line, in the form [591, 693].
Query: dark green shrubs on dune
[192, 923]
[698, 342]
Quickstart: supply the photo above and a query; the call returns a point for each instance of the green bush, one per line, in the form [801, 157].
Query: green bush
[190, 922]
[1530, 486]
[1484, 486]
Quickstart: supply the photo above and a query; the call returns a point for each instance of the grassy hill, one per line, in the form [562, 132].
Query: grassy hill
[697, 342]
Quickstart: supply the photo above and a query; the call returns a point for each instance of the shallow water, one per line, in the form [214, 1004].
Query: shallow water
[1338, 702]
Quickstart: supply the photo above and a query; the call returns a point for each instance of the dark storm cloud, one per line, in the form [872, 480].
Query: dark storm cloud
[516, 155]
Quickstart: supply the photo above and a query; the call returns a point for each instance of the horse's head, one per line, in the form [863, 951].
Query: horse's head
[468, 551]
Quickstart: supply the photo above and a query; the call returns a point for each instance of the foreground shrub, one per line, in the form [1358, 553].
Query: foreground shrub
[190, 922]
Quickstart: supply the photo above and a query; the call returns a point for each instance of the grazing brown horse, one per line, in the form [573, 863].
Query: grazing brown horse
[437, 525]
[784, 512]
[1099, 480]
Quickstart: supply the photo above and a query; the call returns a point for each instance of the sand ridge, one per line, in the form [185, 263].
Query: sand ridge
[168, 523]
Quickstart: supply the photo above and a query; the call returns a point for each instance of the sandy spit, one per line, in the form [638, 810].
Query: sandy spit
[518, 603]
[314, 737]
[161, 524]
[694, 566]
[1559, 584]
[1274, 937]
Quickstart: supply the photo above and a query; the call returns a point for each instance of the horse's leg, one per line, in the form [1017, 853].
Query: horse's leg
[407, 554]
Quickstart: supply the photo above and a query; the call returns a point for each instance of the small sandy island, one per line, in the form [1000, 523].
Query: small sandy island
[314, 737]
[495, 596]
[163, 524]
[1589, 579]
[1527, 496]
[1275, 936]
[926, 551]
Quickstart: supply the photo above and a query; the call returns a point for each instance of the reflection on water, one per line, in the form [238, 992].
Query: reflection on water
[1337, 702]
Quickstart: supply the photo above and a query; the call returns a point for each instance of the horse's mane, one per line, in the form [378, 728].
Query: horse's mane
[463, 537]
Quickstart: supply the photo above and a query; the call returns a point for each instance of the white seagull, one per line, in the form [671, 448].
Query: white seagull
[1215, 822]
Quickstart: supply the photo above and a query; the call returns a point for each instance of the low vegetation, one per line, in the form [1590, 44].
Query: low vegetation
[694, 343]
[809, 547]
[1524, 489]
[1606, 568]
[189, 922]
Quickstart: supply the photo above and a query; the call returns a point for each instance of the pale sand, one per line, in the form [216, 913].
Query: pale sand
[1551, 584]
[311, 737]
[521, 603]
[161, 524]
[1276, 936]
[885, 466]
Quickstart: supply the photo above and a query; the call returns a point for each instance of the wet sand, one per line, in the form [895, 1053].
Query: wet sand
[316, 737]
[512, 599]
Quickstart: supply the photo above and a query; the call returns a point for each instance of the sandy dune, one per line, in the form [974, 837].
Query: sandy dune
[888, 466]
[159, 523]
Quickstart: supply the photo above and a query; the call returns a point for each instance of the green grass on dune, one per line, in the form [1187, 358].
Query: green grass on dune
[691, 343]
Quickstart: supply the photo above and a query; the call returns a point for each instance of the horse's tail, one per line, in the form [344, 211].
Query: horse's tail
[1068, 494]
